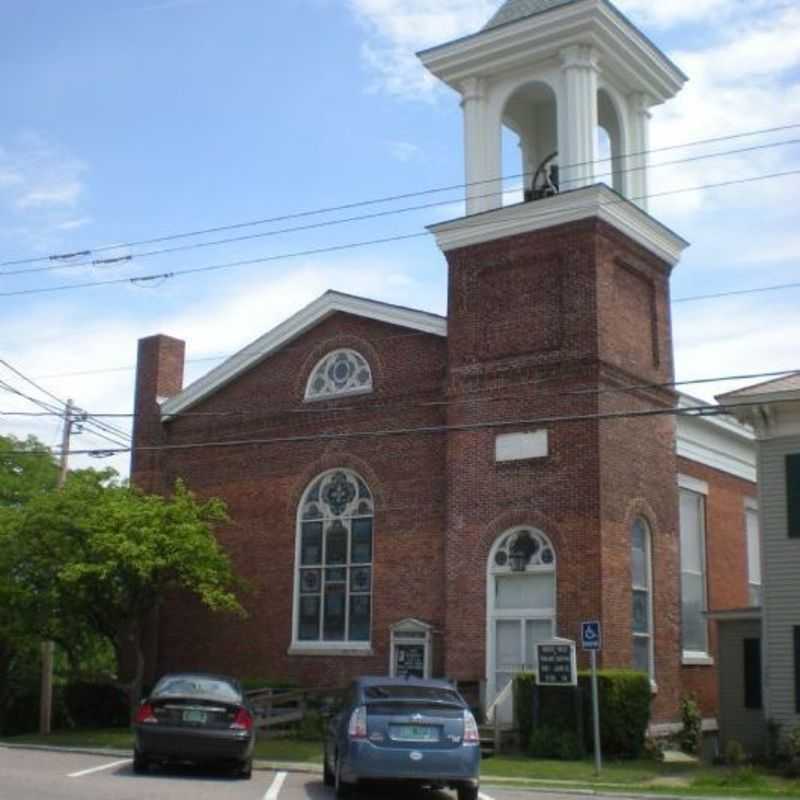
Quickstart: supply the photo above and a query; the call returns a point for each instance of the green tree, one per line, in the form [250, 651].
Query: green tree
[98, 557]
[27, 470]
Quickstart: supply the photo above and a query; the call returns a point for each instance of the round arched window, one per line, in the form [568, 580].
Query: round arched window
[333, 579]
[339, 372]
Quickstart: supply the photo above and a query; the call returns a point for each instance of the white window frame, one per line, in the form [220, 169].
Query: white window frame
[648, 563]
[521, 615]
[340, 648]
[368, 388]
[751, 507]
[698, 487]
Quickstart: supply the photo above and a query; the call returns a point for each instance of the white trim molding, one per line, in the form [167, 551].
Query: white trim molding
[693, 484]
[720, 442]
[323, 307]
[591, 201]
[640, 65]
[694, 658]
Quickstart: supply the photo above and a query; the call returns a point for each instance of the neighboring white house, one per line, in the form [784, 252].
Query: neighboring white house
[773, 410]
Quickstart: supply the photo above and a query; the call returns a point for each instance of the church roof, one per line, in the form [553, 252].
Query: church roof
[329, 303]
[513, 10]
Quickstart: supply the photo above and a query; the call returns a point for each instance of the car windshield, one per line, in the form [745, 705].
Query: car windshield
[438, 694]
[195, 686]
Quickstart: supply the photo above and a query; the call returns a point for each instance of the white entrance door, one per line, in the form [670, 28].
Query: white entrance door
[515, 651]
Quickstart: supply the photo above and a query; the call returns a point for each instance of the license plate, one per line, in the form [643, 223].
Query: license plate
[415, 733]
[193, 715]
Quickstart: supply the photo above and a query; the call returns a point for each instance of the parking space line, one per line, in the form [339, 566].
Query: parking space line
[275, 786]
[99, 769]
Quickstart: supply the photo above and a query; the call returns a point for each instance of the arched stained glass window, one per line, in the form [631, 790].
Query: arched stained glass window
[339, 372]
[333, 580]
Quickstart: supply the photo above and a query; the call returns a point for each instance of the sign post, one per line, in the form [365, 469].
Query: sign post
[591, 640]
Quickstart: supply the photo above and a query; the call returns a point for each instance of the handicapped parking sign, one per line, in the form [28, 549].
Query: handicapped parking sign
[591, 638]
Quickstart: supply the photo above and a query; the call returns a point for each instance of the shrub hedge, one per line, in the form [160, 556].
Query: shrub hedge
[624, 699]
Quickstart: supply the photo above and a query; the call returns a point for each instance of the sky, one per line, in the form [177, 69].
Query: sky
[126, 120]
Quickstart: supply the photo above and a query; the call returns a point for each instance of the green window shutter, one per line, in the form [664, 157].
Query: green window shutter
[793, 493]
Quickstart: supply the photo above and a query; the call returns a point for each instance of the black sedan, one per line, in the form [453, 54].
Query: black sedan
[196, 718]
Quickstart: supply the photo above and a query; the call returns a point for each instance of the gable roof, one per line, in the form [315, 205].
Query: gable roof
[323, 307]
[788, 383]
[512, 10]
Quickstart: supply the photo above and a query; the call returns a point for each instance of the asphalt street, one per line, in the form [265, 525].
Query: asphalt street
[47, 775]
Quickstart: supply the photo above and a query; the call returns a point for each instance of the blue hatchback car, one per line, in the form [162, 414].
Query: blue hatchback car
[407, 730]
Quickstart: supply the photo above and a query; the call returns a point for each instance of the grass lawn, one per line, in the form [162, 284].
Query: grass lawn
[649, 776]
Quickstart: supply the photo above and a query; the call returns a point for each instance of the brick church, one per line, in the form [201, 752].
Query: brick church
[433, 495]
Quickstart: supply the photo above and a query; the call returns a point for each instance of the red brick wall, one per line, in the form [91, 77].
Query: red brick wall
[560, 319]
[262, 485]
[726, 559]
[543, 325]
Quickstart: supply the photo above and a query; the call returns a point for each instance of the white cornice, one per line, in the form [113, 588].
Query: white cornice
[718, 442]
[314, 313]
[593, 201]
[624, 49]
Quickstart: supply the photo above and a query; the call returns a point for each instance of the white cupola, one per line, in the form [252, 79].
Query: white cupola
[554, 72]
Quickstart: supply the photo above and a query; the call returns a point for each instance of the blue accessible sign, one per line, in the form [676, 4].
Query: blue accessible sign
[591, 636]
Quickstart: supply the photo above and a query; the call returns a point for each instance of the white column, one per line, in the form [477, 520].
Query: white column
[480, 168]
[639, 105]
[577, 135]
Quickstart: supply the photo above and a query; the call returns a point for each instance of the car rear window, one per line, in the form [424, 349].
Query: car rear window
[428, 693]
[190, 686]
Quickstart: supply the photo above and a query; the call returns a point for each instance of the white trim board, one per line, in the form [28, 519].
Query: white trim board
[329, 303]
[591, 201]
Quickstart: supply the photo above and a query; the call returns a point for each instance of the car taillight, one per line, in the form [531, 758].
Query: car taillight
[243, 721]
[471, 733]
[145, 714]
[357, 728]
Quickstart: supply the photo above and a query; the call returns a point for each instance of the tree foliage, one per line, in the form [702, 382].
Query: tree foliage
[92, 561]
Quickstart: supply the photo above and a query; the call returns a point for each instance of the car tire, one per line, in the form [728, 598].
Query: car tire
[342, 789]
[467, 792]
[245, 770]
[328, 778]
[140, 763]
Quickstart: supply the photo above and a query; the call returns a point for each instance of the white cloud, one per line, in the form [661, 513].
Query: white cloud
[404, 151]
[55, 194]
[396, 29]
[73, 224]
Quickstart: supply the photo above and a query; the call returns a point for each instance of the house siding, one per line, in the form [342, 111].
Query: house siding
[782, 586]
[744, 725]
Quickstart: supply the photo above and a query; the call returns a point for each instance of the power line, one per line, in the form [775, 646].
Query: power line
[206, 359]
[143, 279]
[359, 218]
[98, 428]
[86, 251]
[474, 398]
[695, 411]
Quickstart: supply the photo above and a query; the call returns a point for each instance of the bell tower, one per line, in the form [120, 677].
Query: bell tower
[553, 71]
[559, 344]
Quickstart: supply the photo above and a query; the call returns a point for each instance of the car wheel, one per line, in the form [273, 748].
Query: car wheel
[342, 788]
[328, 778]
[467, 792]
[245, 770]
[140, 763]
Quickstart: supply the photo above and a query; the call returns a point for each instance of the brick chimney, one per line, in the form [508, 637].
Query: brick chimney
[159, 375]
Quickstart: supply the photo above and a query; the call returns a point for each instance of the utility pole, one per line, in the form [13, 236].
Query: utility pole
[46, 692]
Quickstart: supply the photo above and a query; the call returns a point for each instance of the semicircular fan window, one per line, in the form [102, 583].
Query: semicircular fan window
[339, 372]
